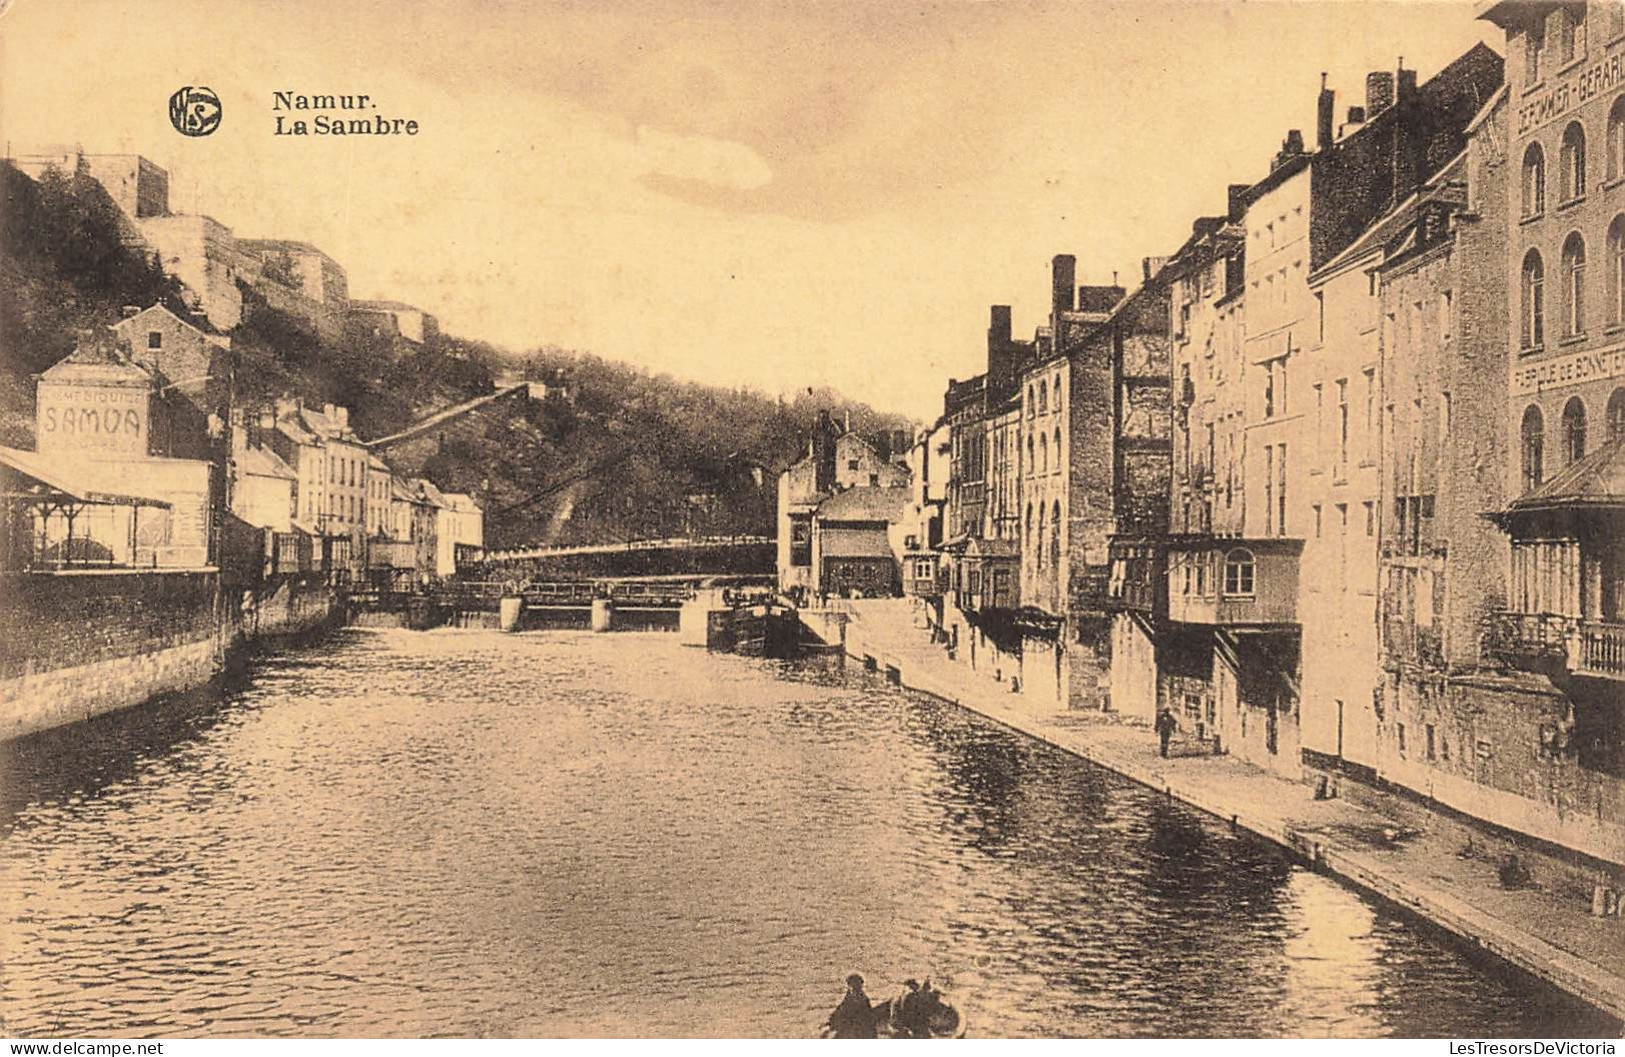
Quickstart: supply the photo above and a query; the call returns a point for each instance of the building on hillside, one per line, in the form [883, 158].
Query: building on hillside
[264, 489]
[859, 464]
[204, 255]
[396, 319]
[196, 366]
[463, 540]
[857, 542]
[801, 487]
[301, 280]
[138, 186]
[928, 480]
[105, 431]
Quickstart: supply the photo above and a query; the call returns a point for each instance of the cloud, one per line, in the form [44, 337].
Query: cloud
[720, 163]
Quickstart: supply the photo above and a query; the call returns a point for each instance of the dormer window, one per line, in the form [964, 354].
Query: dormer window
[155, 339]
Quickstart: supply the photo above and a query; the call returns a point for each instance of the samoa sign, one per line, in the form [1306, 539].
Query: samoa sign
[92, 418]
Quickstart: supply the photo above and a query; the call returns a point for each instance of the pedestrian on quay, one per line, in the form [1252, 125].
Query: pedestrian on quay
[1166, 725]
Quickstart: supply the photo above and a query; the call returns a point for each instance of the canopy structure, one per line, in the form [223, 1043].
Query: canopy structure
[36, 489]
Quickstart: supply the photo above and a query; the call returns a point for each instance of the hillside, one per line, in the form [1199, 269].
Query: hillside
[614, 453]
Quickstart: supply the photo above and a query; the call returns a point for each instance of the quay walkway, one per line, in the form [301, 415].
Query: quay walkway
[1441, 867]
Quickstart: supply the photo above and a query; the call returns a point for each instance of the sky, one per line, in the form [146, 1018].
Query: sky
[775, 195]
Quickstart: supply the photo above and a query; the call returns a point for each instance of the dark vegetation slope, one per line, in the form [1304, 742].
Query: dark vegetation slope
[614, 453]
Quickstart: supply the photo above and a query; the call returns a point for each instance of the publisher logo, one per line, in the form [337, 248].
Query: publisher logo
[194, 111]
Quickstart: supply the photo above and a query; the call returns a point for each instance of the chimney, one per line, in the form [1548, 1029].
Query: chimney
[1324, 115]
[1407, 83]
[1063, 279]
[1238, 200]
[343, 415]
[1379, 93]
[287, 406]
[1294, 141]
[999, 360]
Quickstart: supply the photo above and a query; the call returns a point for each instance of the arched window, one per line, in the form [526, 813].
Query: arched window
[1573, 160]
[1031, 461]
[1534, 300]
[1038, 553]
[1574, 429]
[1533, 432]
[1574, 273]
[1055, 534]
[1534, 181]
[1239, 571]
[1032, 400]
[1043, 396]
[1057, 393]
[1057, 449]
[1029, 529]
[1616, 133]
[1616, 414]
[1616, 270]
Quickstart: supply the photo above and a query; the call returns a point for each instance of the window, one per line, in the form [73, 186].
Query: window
[1032, 400]
[1572, 158]
[1616, 414]
[1320, 314]
[1342, 424]
[1534, 301]
[155, 339]
[1043, 396]
[1444, 417]
[1029, 529]
[1534, 181]
[1370, 519]
[1320, 425]
[1057, 394]
[1055, 534]
[1574, 429]
[1447, 315]
[1043, 453]
[1399, 730]
[1615, 144]
[1571, 37]
[851, 464]
[1269, 489]
[1057, 449]
[1238, 573]
[1370, 413]
[1574, 270]
[1533, 434]
[1342, 545]
[1616, 20]
[1534, 51]
[1280, 490]
[1616, 269]
[1038, 553]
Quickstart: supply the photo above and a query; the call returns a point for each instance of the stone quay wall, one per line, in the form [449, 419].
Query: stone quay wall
[74, 645]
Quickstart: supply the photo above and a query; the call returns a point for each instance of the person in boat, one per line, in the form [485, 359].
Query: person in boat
[911, 1017]
[854, 1018]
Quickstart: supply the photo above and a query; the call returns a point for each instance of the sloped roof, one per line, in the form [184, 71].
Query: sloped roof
[262, 462]
[97, 358]
[855, 543]
[1596, 480]
[871, 503]
[72, 478]
[382, 306]
[992, 548]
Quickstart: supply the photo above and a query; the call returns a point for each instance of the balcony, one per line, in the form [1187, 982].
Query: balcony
[1137, 581]
[1547, 641]
[1221, 582]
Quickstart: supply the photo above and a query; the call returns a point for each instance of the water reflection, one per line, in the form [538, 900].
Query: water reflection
[561, 833]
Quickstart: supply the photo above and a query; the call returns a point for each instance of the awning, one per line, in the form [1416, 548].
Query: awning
[1596, 481]
[55, 478]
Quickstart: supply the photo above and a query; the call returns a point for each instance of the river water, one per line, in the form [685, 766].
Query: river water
[466, 833]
